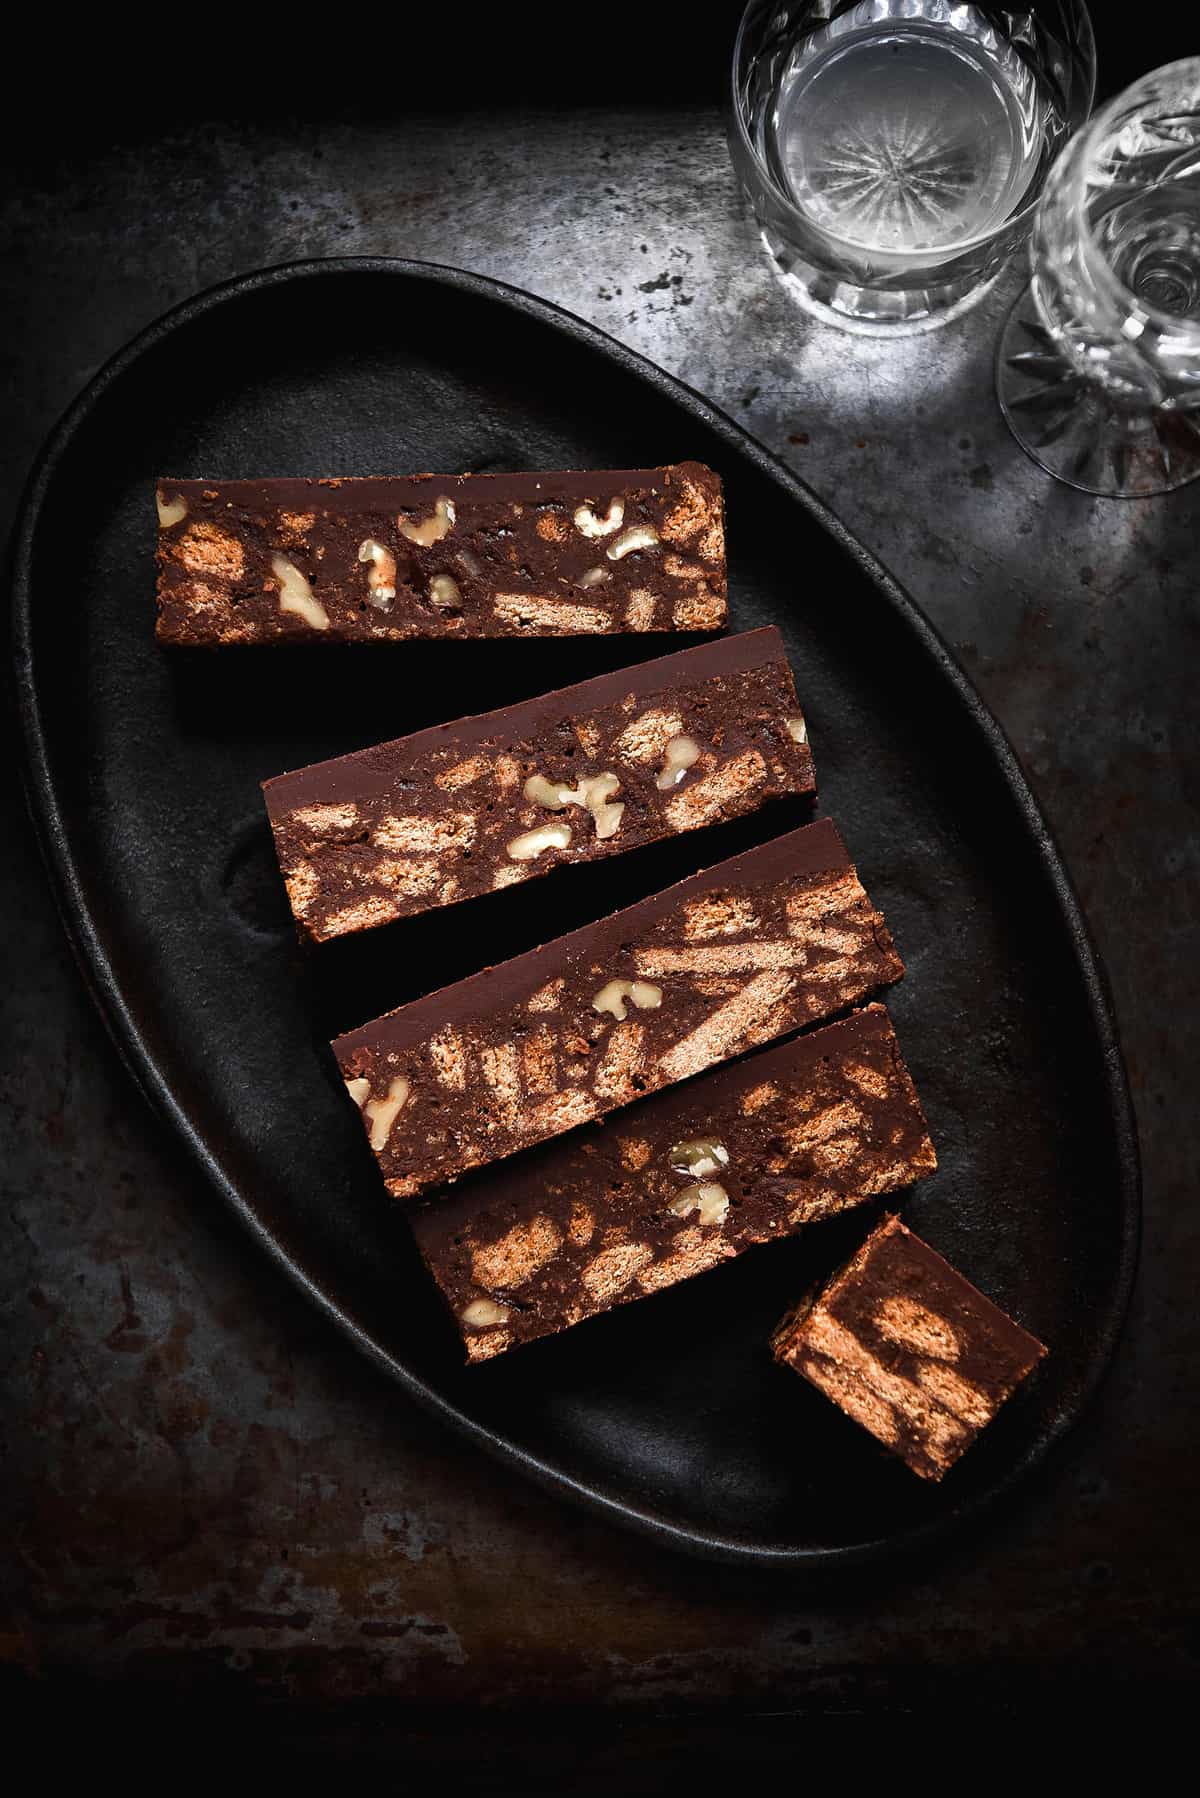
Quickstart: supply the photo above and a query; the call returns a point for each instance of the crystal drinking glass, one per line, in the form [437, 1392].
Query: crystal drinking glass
[892, 150]
[1099, 364]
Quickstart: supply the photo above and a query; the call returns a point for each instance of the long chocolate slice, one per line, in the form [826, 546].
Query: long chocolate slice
[902, 1343]
[576, 775]
[677, 1184]
[471, 555]
[749, 950]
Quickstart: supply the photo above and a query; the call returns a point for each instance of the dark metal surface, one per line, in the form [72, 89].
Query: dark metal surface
[208, 1493]
[144, 775]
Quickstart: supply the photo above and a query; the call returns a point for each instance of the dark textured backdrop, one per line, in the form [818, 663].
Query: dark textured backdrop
[208, 1499]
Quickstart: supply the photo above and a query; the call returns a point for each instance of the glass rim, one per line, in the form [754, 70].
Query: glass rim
[1082, 147]
[944, 252]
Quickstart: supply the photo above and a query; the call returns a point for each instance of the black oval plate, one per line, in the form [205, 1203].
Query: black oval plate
[143, 775]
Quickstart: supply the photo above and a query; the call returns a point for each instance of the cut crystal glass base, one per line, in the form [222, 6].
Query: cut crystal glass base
[1073, 430]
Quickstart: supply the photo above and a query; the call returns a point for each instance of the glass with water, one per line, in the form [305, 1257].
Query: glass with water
[893, 149]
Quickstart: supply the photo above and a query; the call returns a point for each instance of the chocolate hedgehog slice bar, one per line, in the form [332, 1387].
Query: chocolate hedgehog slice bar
[751, 949]
[908, 1348]
[576, 775]
[544, 554]
[677, 1184]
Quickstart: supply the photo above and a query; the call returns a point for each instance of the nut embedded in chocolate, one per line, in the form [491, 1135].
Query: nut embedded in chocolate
[381, 573]
[680, 754]
[614, 993]
[591, 526]
[296, 594]
[707, 1198]
[428, 531]
[638, 536]
[532, 843]
[170, 511]
[700, 1158]
[594, 792]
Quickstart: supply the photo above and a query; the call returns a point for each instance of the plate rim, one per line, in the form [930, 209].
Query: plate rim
[137, 1055]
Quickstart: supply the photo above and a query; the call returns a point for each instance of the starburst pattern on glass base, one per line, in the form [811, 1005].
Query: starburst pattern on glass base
[1070, 427]
[903, 184]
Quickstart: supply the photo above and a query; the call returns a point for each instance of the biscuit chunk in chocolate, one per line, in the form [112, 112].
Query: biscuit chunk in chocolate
[903, 1344]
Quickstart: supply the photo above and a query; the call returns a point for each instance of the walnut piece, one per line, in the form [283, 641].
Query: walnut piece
[680, 754]
[383, 1112]
[550, 793]
[381, 575]
[480, 1314]
[547, 836]
[796, 729]
[699, 1157]
[444, 590]
[295, 594]
[594, 577]
[430, 530]
[591, 526]
[170, 511]
[594, 792]
[359, 1090]
[611, 998]
[608, 817]
[707, 1198]
[638, 536]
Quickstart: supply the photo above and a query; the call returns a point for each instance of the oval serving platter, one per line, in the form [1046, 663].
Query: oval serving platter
[143, 772]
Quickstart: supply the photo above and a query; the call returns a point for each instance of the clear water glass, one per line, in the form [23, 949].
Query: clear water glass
[892, 150]
[1099, 365]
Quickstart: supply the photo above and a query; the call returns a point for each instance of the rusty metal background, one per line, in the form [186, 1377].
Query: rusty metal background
[207, 1495]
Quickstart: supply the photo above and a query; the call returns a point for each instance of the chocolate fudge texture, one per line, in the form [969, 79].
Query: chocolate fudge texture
[471, 555]
[677, 1184]
[751, 949]
[909, 1349]
[586, 772]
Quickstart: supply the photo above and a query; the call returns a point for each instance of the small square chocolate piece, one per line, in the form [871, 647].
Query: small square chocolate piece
[909, 1349]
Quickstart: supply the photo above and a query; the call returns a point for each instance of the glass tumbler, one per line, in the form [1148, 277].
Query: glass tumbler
[892, 150]
[1099, 365]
